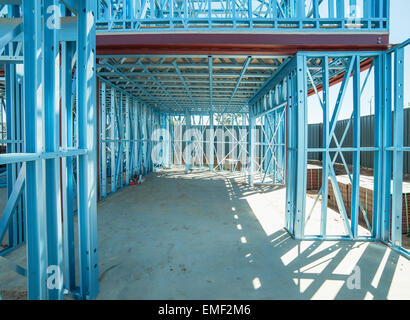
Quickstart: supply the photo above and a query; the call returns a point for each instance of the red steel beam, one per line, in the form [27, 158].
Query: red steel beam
[236, 43]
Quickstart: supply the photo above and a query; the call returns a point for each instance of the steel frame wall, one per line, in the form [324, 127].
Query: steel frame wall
[391, 97]
[270, 146]
[192, 144]
[129, 132]
[267, 109]
[52, 167]
[330, 154]
[388, 152]
[192, 147]
[249, 15]
[12, 138]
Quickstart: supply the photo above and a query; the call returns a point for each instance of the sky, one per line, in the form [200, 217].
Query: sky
[399, 32]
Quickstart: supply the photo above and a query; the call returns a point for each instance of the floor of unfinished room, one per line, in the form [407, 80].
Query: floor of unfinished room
[208, 235]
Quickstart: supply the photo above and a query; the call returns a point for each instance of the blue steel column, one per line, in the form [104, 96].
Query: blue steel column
[290, 151]
[172, 140]
[243, 142]
[11, 102]
[103, 139]
[331, 8]
[397, 200]
[211, 116]
[13, 120]
[387, 142]
[169, 146]
[36, 213]
[112, 138]
[282, 152]
[265, 138]
[340, 9]
[188, 142]
[378, 155]
[356, 145]
[326, 144]
[301, 144]
[252, 147]
[131, 137]
[67, 164]
[127, 142]
[137, 144]
[19, 149]
[51, 87]
[87, 164]
[164, 123]
[144, 138]
[120, 137]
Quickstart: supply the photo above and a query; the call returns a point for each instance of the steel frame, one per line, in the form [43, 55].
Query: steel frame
[66, 134]
[268, 123]
[269, 144]
[127, 137]
[388, 150]
[57, 152]
[329, 136]
[248, 15]
[391, 78]
[192, 137]
[163, 81]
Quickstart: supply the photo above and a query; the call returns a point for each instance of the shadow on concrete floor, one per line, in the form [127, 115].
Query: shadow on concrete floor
[203, 236]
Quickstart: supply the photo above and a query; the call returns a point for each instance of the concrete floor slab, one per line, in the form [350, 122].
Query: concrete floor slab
[208, 235]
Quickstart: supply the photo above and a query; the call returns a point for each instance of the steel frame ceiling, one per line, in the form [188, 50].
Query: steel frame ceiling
[199, 83]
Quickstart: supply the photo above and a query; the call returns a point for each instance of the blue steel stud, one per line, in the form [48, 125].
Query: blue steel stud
[252, 147]
[398, 140]
[112, 138]
[326, 144]
[36, 213]
[301, 144]
[120, 15]
[103, 136]
[211, 116]
[128, 140]
[378, 155]
[13, 122]
[67, 101]
[11, 102]
[290, 153]
[51, 87]
[356, 144]
[387, 142]
[87, 169]
[188, 142]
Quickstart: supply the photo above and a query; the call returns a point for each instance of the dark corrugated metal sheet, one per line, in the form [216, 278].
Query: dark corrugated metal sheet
[367, 140]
